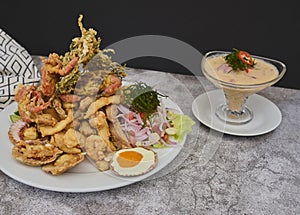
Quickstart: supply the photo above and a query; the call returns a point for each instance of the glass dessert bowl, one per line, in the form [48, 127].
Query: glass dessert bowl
[257, 73]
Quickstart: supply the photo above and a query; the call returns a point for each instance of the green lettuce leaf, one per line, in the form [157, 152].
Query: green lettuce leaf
[183, 124]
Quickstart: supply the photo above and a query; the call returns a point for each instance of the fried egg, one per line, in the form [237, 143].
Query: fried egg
[133, 161]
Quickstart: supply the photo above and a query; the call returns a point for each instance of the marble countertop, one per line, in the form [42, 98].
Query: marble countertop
[213, 174]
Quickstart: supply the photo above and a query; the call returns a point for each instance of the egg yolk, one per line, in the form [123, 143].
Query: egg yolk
[129, 159]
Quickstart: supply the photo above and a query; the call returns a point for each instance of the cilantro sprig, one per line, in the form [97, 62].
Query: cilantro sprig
[239, 60]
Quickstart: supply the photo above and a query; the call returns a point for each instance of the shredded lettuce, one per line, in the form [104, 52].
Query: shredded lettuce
[158, 145]
[15, 117]
[183, 124]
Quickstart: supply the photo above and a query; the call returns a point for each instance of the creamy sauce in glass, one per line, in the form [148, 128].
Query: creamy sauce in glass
[261, 73]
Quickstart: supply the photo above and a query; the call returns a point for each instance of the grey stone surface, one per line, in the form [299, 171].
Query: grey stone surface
[214, 173]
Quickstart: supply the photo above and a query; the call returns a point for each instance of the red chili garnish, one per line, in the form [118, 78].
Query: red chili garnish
[165, 137]
[245, 57]
[240, 60]
[143, 115]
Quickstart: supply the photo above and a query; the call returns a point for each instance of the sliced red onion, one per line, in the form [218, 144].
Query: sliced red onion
[225, 68]
[139, 119]
[139, 132]
[123, 109]
[141, 137]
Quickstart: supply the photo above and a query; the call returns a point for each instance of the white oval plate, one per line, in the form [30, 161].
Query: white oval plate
[82, 178]
[266, 115]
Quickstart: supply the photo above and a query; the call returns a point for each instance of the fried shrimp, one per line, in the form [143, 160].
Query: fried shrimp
[52, 70]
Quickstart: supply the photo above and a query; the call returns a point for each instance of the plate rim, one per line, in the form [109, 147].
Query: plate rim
[226, 127]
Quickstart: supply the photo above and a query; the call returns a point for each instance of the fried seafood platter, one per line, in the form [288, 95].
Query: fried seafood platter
[82, 110]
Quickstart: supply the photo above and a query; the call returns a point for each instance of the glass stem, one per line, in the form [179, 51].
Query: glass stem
[235, 101]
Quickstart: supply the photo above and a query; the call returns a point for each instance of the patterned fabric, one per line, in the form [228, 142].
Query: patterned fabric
[16, 66]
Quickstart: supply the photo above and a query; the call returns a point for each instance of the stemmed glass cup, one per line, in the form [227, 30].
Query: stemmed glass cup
[234, 110]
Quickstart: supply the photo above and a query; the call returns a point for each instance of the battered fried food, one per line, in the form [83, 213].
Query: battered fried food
[119, 138]
[63, 163]
[30, 133]
[100, 103]
[49, 134]
[85, 103]
[111, 112]
[99, 122]
[35, 152]
[86, 129]
[95, 147]
[59, 141]
[61, 125]
[45, 119]
[58, 107]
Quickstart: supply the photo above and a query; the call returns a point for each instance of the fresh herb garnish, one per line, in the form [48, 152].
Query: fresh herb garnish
[240, 60]
[141, 98]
